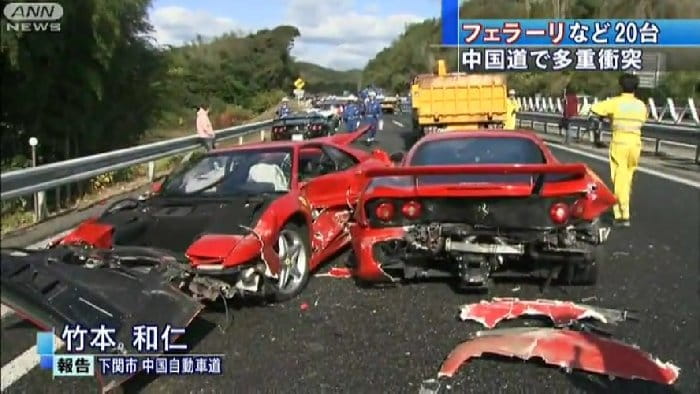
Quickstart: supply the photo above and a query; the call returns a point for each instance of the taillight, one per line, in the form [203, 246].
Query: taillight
[577, 209]
[559, 212]
[412, 210]
[384, 211]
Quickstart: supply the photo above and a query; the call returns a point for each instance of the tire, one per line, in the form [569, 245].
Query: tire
[293, 235]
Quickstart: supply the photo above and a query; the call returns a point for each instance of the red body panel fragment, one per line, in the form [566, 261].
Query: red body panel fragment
[212, 247]
[338, 272]
[564, 348]
[91, 232]
[490, 313]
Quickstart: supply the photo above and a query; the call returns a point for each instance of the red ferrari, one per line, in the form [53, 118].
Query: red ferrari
[254, 219]
[476, 205]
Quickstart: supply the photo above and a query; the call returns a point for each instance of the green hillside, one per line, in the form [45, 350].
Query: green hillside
[415, 51]
[325, 80]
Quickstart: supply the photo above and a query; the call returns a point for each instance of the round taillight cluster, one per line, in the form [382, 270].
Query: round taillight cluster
[559, 213]
[386, 211]
[315, 127]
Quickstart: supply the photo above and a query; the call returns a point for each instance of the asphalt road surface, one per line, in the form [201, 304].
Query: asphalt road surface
[391, 339]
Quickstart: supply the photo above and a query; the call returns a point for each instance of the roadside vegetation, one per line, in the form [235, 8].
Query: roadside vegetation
[102, 84]
[415, 51]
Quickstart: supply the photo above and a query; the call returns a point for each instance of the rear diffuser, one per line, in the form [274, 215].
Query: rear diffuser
[566, 349]
[44, 288]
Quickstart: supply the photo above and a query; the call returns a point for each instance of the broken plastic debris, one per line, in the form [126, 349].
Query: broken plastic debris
[490, 313]
[337, 272]
[430, 386]
[566, 349]
[304, 306]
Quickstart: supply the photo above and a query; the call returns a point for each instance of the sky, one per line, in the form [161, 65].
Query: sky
[340, 34]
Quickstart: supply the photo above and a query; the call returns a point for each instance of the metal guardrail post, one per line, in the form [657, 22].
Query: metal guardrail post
[151, 171]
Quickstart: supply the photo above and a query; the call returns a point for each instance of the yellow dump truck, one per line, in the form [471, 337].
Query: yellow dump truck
[458, 101]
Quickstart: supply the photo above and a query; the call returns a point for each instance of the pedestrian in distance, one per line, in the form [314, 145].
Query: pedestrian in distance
[284, 110]
[512, 109]
[374, 116]
[627, 115]
[570, 111]
[205, 131]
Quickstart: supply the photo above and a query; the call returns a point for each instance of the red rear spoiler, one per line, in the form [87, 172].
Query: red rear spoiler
[347, 138]
[504, 169]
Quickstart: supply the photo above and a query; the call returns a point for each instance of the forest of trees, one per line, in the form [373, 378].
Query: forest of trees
[101, 82]
[414, 52]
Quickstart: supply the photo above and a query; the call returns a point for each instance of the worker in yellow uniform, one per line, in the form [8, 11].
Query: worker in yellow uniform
[627, 115]
[512, 108]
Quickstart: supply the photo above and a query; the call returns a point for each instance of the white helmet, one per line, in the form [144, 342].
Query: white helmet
[511, 92]
[372, 94]
[284, 99]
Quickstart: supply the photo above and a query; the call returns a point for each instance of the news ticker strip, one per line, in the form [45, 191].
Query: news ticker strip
[566, 32]
[83, 365]
[557, 59]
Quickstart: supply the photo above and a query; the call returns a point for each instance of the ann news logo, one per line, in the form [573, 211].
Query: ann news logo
[33, 17]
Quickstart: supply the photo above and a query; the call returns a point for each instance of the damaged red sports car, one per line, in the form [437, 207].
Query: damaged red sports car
[476, 205]
[254, 219]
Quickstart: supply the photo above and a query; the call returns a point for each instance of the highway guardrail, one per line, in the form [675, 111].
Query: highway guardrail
[679, 135]
[41, 178]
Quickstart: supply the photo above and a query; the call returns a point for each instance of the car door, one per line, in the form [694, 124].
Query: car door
[327, 177]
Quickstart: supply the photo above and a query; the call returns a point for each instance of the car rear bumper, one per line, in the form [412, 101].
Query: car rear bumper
[391, 254]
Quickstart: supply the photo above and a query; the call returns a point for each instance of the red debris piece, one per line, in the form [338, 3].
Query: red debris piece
[338, 272]
[304, 306]
[490, 313]
[564, 348]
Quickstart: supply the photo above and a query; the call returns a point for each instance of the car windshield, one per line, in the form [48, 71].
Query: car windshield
[245, 171]
[478, 150]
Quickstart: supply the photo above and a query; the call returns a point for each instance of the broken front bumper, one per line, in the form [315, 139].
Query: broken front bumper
[47, 288]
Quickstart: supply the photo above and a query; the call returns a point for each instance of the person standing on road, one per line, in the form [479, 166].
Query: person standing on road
[283, 111]
[351, 117]
[205, 131]
[374, 116]
[570, 111]
[512, 109]
[627, 114]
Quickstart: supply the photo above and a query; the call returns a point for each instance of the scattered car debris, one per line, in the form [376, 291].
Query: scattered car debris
[337, 272]
[561, 313]
[564, 348]
[304, 306]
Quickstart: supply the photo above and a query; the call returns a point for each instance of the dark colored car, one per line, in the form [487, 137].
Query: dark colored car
[301, 126]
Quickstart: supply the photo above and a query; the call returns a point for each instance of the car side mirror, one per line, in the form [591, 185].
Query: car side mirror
[397, 157]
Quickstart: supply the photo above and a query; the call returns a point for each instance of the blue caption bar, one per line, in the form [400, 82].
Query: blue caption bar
[567, 32]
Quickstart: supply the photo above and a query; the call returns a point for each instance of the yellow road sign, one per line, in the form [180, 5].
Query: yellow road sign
[299, 83]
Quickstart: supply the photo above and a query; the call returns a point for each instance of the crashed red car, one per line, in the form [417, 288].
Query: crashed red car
[476, 205]
[254, 219]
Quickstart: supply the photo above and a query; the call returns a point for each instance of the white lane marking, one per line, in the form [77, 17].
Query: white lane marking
[646, 170]
[25, 362]
[22, 364]
[5, 311]
[396, 122]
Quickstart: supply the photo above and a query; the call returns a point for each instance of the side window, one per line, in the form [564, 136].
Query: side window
[309, 159]
[342, 159]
